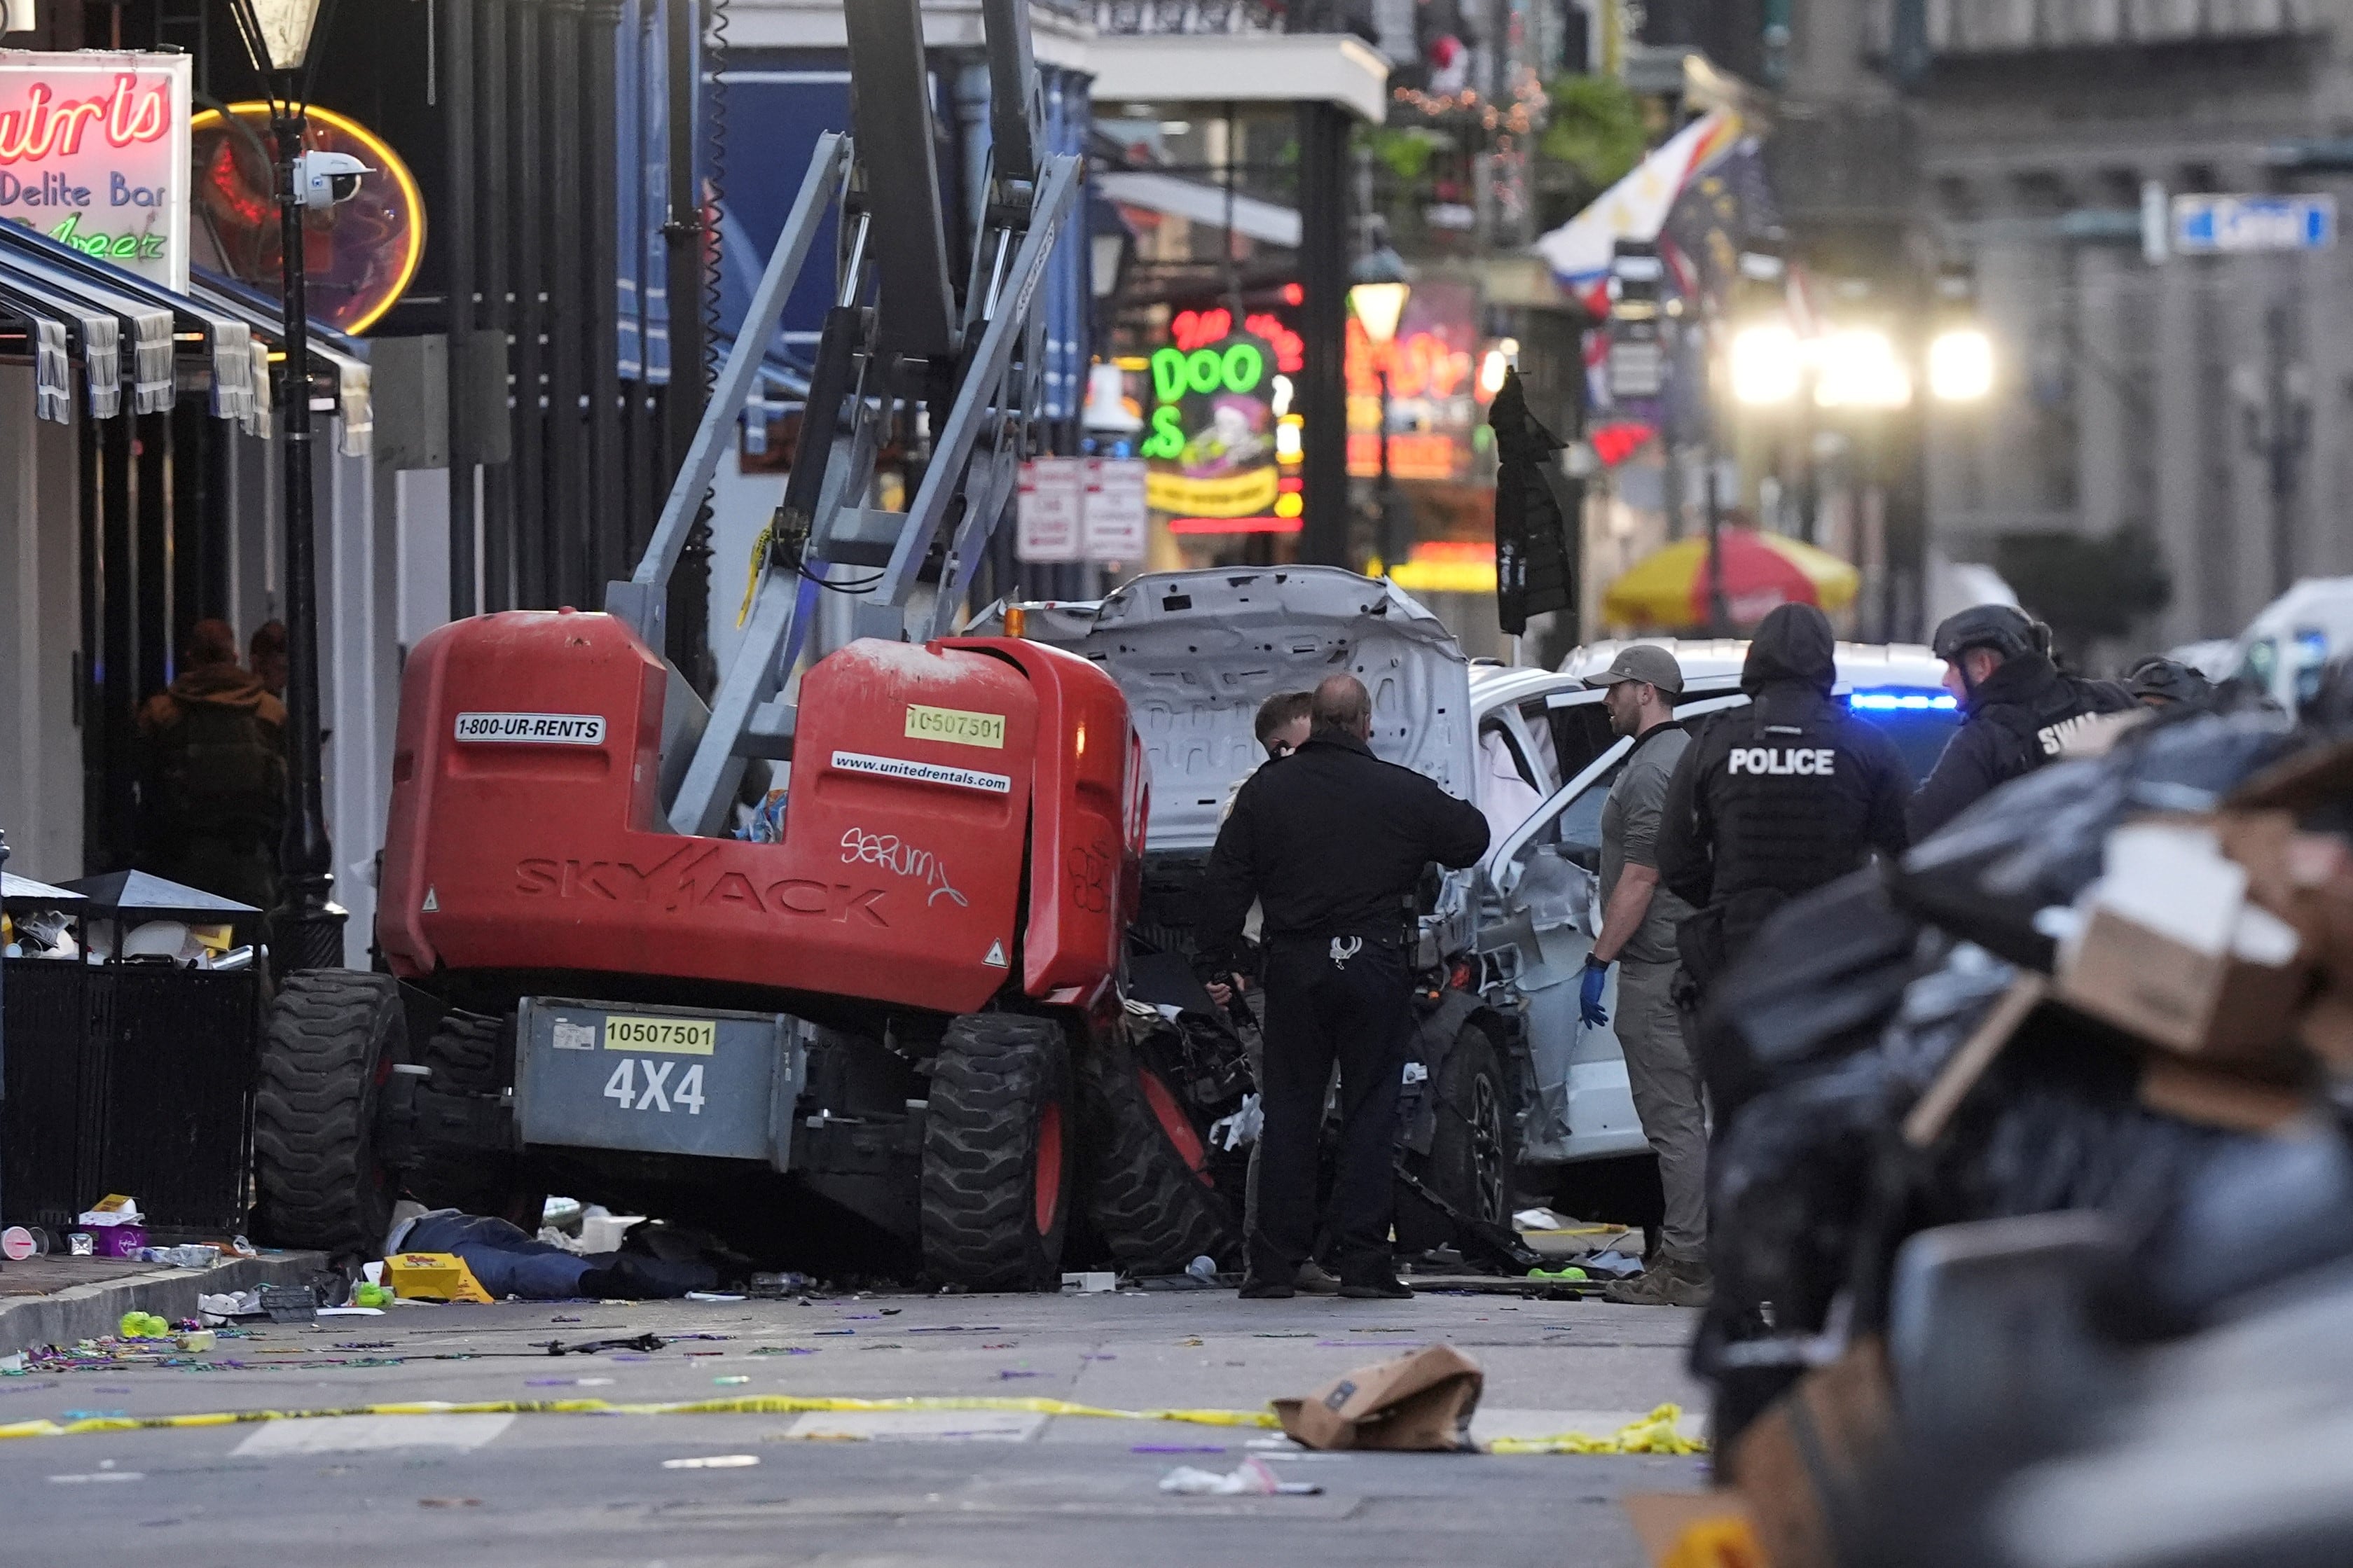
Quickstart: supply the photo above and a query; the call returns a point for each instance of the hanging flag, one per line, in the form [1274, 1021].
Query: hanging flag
[1636, 207]
[1722, 208]
[1536, 512]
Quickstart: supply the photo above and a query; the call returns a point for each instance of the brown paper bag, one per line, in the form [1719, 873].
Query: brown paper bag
[1423, 1402]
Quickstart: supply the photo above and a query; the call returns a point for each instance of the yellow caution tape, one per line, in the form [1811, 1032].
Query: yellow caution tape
[1653, 1433]
[1581, 1230]
[767, 537]
[749, 1404]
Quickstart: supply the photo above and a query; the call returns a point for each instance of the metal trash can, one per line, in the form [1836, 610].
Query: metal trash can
[133, 1074]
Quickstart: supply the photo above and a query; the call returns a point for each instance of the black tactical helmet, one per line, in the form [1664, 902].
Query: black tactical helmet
[2168, 679]
[2004, 629]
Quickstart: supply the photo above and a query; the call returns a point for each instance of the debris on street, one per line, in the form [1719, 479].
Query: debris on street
[1423, 1401]
[1252, 1478]
[1995, 1117]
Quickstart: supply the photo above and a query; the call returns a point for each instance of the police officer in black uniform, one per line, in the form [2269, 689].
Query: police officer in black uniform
[1332, 844]
[2018, 710]
[1774, 799]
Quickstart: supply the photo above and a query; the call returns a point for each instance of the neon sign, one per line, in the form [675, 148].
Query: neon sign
[361, 255]
[94, 154]
[1213, 441]
[1190, 329]
[1237, 368]
[128, 114]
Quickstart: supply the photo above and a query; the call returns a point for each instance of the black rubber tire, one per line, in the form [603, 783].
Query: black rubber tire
[331, 1039]
[465, 1053]
[1473, 1150]
[1153, 1208]
[999, 1083]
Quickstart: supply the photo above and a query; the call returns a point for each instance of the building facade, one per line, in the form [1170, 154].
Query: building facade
[2195, 410]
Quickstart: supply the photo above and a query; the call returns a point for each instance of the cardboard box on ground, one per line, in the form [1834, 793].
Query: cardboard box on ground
[1423, 1401]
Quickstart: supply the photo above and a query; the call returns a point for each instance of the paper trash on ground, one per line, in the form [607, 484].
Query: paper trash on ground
[1250, 1478]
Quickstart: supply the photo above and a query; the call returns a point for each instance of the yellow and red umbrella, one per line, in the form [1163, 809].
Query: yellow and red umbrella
[1668, 589]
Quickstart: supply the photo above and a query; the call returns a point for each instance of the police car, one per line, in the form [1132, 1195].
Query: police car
[1537, 892]
[1502, 1078]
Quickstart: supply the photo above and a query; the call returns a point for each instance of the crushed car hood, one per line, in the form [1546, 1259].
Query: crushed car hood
[1196, 652]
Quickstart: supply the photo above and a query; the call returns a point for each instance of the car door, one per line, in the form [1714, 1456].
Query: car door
[1539, 911]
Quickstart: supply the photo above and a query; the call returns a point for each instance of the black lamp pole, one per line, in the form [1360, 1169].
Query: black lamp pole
[1385, 488]
[307, 927]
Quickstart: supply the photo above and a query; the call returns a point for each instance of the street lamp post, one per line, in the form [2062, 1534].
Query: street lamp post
[1869, 376]
[1377, 297]
[307, 927]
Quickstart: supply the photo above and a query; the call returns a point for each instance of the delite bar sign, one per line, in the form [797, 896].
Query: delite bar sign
[534, 729]
[94, 154]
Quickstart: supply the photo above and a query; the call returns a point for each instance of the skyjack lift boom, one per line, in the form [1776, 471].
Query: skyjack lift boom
[895, 342]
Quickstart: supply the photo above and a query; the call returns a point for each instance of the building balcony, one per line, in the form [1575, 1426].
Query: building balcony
[1981, 27]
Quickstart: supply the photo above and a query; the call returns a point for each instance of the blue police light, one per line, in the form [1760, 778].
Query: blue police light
[1900, 701]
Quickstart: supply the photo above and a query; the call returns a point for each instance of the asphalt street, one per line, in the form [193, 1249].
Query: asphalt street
[968, 1487]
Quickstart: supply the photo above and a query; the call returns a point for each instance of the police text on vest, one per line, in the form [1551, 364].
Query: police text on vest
[1814, 761]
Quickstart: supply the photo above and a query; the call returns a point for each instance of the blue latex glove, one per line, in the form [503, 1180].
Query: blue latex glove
[1588, 995]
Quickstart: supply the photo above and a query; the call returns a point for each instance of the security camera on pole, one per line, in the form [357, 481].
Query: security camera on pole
[307, 928]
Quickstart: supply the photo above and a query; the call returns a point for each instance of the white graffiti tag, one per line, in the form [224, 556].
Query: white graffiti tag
[859, 848]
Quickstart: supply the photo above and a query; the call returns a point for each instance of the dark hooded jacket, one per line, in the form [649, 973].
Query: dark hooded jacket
[212, 783]
[1777, 797]
[2014, 723]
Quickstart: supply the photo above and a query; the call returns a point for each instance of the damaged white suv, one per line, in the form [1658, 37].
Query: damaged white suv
[1506, 1088]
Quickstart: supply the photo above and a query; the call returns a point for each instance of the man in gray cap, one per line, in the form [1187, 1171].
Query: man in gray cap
[1638, 934]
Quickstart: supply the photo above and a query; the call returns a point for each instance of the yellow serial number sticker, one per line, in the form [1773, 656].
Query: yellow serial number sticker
[680, 1036]
[957, 725]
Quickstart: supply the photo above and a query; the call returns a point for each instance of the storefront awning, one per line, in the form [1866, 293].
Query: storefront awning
[1197, 201]
[68, 301]
[354, 403]
[153, 319]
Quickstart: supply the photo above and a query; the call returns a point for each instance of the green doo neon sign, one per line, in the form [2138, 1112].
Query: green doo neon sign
[1238, 367]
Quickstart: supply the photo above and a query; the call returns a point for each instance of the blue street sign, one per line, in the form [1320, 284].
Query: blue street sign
[2210, 225]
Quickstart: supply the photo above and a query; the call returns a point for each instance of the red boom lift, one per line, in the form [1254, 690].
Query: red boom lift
[878, 1027]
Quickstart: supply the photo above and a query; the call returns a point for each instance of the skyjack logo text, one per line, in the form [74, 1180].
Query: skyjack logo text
[691, 877]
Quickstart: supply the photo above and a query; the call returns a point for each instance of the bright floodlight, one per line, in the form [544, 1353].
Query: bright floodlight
[1379, 306]
[277, 32]
[1858, 369]
[1961, 365]
[1498, 361]
[1766, 364]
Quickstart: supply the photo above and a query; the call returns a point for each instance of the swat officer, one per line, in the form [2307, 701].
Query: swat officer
[1774, 799]
[2162, 683]
[2017, 709]
[1332, 844]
